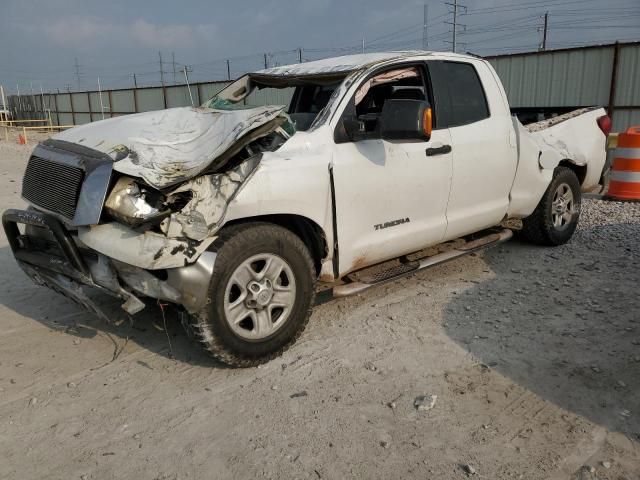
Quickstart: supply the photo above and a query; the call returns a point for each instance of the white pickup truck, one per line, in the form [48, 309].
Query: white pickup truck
[238, 215]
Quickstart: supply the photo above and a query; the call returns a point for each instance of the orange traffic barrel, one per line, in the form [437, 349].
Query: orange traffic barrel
[22, 140]
[624, 183]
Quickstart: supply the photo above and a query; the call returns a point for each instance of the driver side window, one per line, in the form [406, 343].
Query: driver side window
[396, 83]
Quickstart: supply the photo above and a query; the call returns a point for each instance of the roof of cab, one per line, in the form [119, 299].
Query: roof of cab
[343, 64]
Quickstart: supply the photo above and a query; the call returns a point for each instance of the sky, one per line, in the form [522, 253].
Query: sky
[40, 40]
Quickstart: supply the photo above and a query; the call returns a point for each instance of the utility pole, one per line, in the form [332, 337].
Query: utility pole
[455, 23]
[228, 70]
[4, 105]
[265, 61]
[161, 70]
[544, 31]
[42, 98]
[456, 7]
[300, 55]
[425, 16]
[185, 70]
[135, 81]
[100, 95]
[78, 74]
[33, 98]
[173, 60]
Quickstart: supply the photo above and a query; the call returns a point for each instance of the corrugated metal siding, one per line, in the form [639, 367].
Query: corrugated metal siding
[179, 96]
[557, 79]
[208, 90]
[628, 80]
[150, 99]
[270, 96]
[623, 119]
[122, 101]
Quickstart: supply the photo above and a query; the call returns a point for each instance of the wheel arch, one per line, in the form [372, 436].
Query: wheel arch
[311, 234]
[579, 170]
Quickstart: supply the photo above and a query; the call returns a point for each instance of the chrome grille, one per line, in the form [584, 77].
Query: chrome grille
[53, 186]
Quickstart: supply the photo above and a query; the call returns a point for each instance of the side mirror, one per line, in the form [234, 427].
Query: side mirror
[404, 119]
[353, 128]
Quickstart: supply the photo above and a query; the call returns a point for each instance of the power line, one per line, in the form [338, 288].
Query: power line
[161, 69]
[78, 74]
[425, 17]
[455, 23]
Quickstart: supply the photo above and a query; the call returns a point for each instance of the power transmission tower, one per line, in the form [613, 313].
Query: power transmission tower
[456, 7]
[425, 16]
[173, 60]
[77, 72]
[543, 46]
[161, 69]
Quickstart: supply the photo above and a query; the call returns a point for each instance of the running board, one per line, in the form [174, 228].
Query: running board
[408, 268]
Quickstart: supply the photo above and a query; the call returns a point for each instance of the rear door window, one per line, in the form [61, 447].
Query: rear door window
[458, 94]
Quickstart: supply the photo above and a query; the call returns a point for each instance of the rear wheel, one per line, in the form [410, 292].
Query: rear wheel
[556, 217]
[260, 295]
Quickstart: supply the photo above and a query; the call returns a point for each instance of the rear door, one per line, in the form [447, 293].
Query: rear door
[469, 103]
[391, 196]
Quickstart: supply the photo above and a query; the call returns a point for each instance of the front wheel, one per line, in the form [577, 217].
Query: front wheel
[260, 295]
[556, 217]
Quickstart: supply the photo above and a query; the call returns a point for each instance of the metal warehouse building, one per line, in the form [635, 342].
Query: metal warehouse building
[553, 81]
[564, 79]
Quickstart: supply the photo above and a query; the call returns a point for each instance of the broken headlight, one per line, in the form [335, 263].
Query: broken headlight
[134, 204]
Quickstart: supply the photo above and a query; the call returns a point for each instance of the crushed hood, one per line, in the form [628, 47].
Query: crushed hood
[167, 147]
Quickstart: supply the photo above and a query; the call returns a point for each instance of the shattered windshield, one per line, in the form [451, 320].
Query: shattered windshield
[302, 99]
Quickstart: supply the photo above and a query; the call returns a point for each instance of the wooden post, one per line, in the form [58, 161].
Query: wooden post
[614, 80]
[73, 113]
[55, 105]
[110, 104]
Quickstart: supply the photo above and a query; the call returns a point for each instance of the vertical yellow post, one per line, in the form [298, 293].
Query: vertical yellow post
[6, 133]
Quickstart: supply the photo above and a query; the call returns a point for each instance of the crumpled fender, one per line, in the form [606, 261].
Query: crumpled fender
[148, 250]
[573, 137]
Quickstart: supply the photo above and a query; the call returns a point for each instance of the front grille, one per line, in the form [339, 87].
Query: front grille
[53, 186]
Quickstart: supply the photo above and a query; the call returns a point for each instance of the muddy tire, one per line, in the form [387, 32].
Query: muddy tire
[556, 217]
[260, 295]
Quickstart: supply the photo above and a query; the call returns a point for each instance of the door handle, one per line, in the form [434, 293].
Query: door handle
[438, 150]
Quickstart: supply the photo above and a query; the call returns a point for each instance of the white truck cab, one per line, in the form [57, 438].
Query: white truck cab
[235, 213]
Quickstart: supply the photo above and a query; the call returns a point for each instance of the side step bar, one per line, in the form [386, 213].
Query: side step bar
[404, 269]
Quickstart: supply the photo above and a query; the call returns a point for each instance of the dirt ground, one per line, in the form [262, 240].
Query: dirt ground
[533, 353]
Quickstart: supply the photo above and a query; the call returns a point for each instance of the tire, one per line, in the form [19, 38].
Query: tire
[239, 326]
[542, 226]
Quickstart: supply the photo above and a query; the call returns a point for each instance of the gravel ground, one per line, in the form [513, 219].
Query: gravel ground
[528, 360]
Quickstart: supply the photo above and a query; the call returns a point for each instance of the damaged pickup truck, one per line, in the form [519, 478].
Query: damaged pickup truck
[239, 214]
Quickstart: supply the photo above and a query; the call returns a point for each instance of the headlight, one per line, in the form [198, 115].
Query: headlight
[129, 204]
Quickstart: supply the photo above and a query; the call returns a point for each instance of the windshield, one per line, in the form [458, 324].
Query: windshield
[303, 99]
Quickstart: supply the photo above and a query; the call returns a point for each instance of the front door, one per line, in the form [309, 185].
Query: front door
[391, 196]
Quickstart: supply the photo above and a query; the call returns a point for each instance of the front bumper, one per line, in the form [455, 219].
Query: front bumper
[56, 259]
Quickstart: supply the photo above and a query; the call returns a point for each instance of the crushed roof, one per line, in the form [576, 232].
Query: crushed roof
[342, 64]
